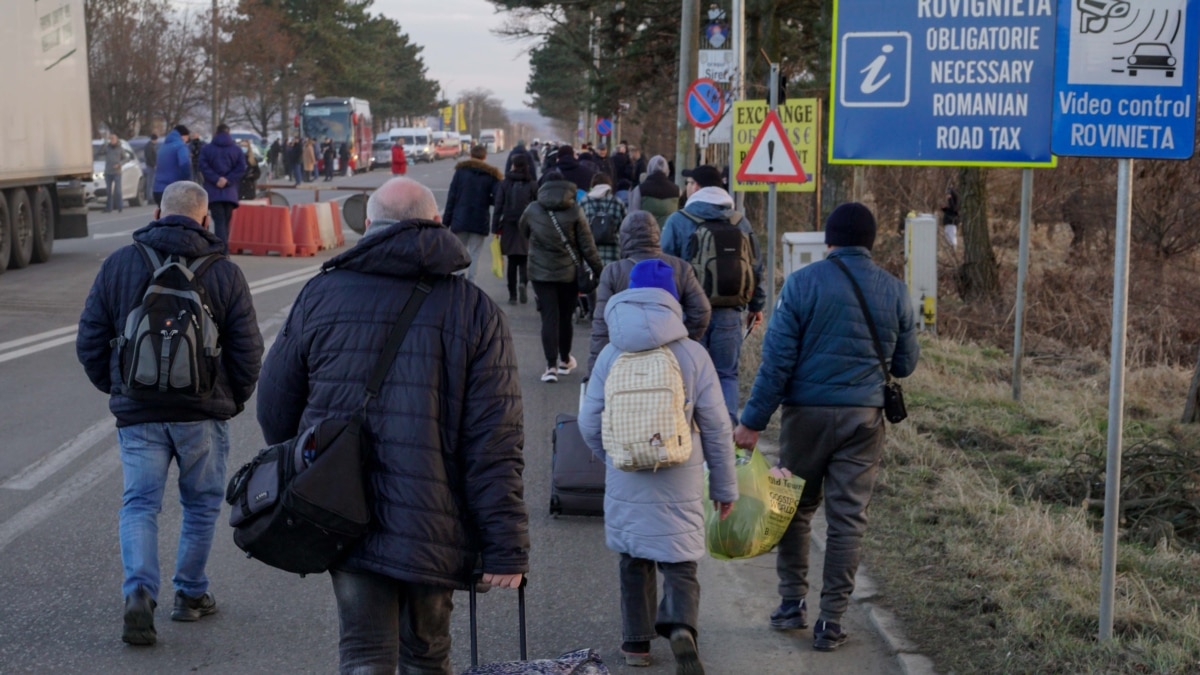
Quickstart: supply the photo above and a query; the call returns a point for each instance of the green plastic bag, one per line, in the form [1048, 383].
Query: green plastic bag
[764, 509]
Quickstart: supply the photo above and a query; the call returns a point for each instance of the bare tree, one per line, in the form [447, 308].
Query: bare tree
[978, 276]
[180, 70]
[123, 62]
[258, 61]
[1191, 409]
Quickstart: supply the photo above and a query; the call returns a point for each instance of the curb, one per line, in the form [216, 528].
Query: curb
[911, 661]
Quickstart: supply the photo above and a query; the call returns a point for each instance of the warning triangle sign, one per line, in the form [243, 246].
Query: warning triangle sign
[772, 158]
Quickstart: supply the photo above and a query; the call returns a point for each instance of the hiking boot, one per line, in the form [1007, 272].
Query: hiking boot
[828, 636]
[522, 294]
[188, 608]
[551, 375]
[139, 618]
[790, 615]
[566, 368]
[683, 646]
[637, 654]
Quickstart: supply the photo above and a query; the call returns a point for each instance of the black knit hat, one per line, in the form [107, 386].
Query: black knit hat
[850, 224]
[705, 175]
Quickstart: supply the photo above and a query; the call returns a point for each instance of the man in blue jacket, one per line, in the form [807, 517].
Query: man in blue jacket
[819, 360]
[222, 163]
[174, 161]
[445, 471]
[707, 201]
[154, 428]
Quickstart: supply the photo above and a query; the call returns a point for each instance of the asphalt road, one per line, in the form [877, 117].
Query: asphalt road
[60, 488]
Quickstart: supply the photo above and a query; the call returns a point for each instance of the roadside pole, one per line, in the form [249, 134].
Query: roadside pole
[687, 60]
[772, 206]
[1022, 275]
[739, 79]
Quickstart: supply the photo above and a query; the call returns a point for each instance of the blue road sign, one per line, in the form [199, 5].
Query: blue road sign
[705, 102]
[947, 82]
[604, 126]
[1125, 78]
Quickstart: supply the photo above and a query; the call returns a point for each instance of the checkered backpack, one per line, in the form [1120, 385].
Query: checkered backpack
[645, 423]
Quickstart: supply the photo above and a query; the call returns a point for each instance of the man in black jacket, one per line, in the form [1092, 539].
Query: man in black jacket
[157, 427]
[446, 464]
[469, 203]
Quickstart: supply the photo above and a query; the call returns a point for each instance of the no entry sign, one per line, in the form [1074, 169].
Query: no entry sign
[705, 103]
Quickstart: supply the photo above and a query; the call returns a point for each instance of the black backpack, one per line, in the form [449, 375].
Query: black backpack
[604, 230]
[170, 343]
[723, 259]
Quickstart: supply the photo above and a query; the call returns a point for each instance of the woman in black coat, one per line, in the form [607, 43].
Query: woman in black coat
[513, 195]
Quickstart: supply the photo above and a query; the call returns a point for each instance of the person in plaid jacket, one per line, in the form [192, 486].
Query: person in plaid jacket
[604, 215]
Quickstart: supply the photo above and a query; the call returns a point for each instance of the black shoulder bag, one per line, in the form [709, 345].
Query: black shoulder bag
[300, 505]
[584, 278]
[893, 394]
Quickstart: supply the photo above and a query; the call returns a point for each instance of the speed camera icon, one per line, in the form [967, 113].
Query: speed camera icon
[1094, 14]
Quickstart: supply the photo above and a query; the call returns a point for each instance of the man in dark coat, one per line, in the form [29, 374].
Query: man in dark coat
[222, 163]
[520, 149]
[150, 159]
[469, 203]
[578, 172]
[446, 462]
[153, 429]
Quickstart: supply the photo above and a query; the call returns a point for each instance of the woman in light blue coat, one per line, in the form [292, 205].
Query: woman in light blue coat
[656, 518]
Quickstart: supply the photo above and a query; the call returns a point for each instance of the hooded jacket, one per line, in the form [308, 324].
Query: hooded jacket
[712, 203]
[549, 259]
[659, 515]
[472, 191]
[446, 455]
[657, 193]
[639, 241]
[120, 285]
[174, 162]
[818, 349]
[514, 194]
[575, 170]
[222, 158]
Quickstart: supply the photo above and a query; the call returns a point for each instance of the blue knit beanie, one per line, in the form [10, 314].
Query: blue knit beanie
[653, 273]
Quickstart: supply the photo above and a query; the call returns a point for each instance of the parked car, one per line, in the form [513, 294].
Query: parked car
[381, 153]
[133, 179]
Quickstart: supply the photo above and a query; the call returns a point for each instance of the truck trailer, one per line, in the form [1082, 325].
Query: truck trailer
[45, 128]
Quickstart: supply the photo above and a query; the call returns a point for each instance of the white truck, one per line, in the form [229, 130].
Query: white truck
[417, 142]
[45, 128]
[492, 139]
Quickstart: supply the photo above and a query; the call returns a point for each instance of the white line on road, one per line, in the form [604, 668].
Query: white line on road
[66, 453]
[78, 485]
[50, 344]
[35, 338]
[110, 235]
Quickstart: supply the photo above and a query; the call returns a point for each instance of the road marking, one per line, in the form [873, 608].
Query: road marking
[60, 497]
[50, 344]
[110, 235]
[66, 453]
[35, 338]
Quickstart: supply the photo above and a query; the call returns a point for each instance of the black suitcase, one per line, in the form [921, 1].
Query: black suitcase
[577, 476]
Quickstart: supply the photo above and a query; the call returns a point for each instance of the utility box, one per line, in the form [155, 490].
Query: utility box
[801, 249]
[920, 267]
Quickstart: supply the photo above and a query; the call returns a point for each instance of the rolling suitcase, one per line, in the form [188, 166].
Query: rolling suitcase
[577, 477]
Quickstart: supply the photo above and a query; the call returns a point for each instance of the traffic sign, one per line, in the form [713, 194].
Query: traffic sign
[1125, 80]
[604, 126]
[771, 159]
[705, 103]
[799, 119]
[943, 83]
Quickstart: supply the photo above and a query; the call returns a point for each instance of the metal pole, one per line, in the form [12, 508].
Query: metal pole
[1116, 399]
[772, 208]
[687, 61]
[213, 82]
[1022, 274]
[739, 81]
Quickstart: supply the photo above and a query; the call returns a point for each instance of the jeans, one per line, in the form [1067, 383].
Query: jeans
[838, 449]
[680, 604]
[150, 186]
[385, 623]
[518, 273]
[723, 340]
[297, 172]
[475, 247]
[112, 185]
[200, 450]
[222, 213]
[556, 302]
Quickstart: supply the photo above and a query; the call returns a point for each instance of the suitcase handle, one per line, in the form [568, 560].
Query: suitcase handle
[478, 586]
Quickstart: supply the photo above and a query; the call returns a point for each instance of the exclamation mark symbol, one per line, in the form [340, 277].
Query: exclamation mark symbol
[770, 155]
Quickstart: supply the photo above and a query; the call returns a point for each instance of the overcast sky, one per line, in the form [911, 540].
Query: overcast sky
[460, 50]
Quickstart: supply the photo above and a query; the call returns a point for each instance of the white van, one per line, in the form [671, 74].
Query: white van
[417, 142]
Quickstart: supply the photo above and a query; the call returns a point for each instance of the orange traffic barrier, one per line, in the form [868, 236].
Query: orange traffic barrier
[305, 230]
[261, 230]
[337, 224]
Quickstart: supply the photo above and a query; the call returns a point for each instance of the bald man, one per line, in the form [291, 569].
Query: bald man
[452, 392]
[155, 427]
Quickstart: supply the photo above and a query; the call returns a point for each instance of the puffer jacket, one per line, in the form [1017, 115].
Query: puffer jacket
[446, 464]
[657, 194]
[174, 162]
[659, 515]
[577, 170]
[712, 203]
[472, 191]
[549, 259]
[223, 158]
[639, 241]
[119, 286]
[818, 349]
[513, 195]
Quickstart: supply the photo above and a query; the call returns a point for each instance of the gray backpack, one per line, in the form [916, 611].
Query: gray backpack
[170, 342]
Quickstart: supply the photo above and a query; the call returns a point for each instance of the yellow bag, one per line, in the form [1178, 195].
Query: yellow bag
[764, 509]
[497, 258]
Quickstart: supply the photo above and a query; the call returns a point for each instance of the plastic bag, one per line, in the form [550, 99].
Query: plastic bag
[497, 258]
[764, 508]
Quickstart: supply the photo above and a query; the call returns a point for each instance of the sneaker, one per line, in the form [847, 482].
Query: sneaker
[188, 608]
[828, 636]
[637, 654]
[551, 375]
[566, 368]
[790, 615]
[512, 299]
[139, 618]
[687, 660]
[522, 294]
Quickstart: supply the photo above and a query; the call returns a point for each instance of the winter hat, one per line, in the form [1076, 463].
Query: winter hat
[183, 131]
[653, 273]
[705, 175]
[850, 224]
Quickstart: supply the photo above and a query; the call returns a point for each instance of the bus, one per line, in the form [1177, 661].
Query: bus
[345, 120]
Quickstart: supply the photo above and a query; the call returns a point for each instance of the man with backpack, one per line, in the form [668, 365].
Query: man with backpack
[604, 214]
[719, 243]
[173, 292]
